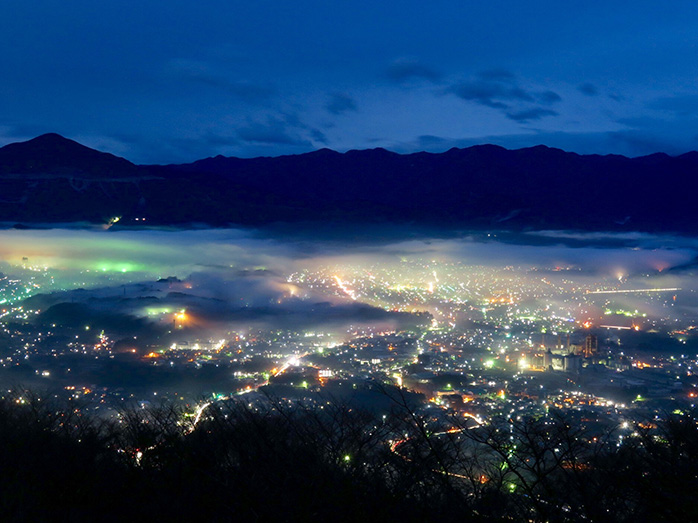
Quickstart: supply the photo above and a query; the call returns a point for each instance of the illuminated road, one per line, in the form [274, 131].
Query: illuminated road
[456, 430]
[293, 361]
[345, 288]
[199, 411]
[631, 291]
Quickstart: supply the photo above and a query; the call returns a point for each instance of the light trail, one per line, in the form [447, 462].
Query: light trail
[349, 292]
[292, 362]
[628, 291]
[199, 412]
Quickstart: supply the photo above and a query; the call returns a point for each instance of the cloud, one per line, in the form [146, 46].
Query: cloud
[204, 74]
[499, 89]
[406, 69]
[318, 136]
[588, 89]
[527, 115]
[548, 97]
[490, 93]
[238, 294]
[340, 103]
[213, 301]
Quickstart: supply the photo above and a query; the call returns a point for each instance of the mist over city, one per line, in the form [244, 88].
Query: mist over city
[356, 262]
[166, 300]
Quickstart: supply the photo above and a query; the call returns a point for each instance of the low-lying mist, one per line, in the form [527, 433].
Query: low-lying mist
[139, 280]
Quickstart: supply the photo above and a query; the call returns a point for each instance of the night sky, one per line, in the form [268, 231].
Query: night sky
[164, 82]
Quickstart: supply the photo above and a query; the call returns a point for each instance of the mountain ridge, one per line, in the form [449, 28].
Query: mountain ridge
[479, 186]
[52, 153]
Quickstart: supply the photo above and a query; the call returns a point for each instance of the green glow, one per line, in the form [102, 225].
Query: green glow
[117, 266]
[621, 312]
[155, 311]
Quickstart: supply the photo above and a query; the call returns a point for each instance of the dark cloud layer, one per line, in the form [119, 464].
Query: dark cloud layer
[500, 89]
[548, 97]
[535, 113]
[495, 94]
[588, 89]
[340, 103]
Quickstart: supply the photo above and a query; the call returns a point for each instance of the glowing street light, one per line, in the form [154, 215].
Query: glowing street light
[181, 316]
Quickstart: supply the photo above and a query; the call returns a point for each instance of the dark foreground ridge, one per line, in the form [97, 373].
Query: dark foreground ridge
[284, 462]
[53, 179]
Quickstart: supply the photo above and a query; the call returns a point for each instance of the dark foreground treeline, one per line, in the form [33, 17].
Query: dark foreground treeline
[284, 462]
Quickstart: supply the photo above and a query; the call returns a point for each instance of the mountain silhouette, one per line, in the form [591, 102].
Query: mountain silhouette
[484, 186]
[52, 154]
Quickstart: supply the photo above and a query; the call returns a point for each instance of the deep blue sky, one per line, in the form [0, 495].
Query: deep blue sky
[171, 81]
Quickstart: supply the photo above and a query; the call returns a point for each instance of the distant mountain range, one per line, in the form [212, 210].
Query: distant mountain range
[53, 179]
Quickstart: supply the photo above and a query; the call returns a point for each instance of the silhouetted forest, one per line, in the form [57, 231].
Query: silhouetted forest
[293, 461]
